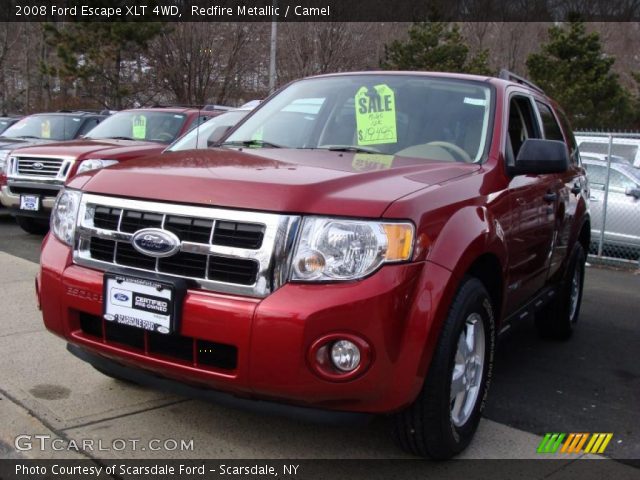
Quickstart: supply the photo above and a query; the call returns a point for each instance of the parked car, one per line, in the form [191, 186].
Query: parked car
[625, 147]
[6, 122]
[623, 203]
[36, 174]
[603, 158]
[209, 133]
[356, 244]
[45, 128]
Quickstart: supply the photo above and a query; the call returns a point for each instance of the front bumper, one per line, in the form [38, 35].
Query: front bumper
[10, 198]
[393, 310]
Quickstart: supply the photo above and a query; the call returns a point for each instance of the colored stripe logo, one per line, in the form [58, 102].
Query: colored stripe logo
[574, 443]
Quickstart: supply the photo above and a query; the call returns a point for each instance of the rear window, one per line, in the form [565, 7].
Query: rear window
[628, 152]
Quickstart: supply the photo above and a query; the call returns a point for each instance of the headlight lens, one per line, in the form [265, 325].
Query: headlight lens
[335, 249]
[65, 214]
[4, 155]
[95, 164]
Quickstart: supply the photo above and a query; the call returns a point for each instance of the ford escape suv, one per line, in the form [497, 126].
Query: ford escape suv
[355, 244]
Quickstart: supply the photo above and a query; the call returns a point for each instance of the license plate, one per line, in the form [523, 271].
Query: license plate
[30, 203]
[140, 302]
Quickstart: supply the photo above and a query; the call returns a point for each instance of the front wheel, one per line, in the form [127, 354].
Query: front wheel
[443, 419]
[35, 226]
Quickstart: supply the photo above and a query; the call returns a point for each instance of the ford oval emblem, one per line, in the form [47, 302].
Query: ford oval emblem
[37, 166]
[155, 242]
[121, 297]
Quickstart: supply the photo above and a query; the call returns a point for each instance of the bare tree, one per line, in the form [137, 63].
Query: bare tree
[198, 62]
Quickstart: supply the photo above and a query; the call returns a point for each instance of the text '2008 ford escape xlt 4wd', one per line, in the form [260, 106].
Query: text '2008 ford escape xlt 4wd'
[355, 244]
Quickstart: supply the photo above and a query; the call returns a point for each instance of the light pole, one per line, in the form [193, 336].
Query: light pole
[272, 53]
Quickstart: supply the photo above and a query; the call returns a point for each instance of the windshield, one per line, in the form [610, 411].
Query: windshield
[142, 125]
[405, 115]
[209, 132]
[5, 123]
[54, 127]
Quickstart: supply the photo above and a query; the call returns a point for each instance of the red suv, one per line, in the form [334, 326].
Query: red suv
[36, 174]
[355, 244]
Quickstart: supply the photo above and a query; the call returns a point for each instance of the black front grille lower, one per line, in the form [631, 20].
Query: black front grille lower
[221, 269]
[129, 256]
[43, 192]
[233, 270]
[188, 350]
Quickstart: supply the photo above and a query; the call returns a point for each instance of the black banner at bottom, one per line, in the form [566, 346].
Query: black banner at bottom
[571, 467]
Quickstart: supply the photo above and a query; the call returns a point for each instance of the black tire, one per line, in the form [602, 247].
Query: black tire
[34, 226]
[427, 428]
[557, 320]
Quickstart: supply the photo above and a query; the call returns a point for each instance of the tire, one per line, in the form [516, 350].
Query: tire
[35, 226]
[434, 426]
[557, 320]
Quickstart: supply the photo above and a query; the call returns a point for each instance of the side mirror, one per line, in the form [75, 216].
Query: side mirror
[633, 192]
[537, 156]
[218, 134]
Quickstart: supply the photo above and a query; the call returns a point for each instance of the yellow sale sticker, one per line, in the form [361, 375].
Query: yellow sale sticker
[45, 129]
[376, 115]
[364, 162]
[139, 127]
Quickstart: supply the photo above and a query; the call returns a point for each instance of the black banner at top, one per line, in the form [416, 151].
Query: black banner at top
[318, 10]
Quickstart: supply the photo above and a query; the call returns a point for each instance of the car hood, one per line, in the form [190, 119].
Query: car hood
[279, 180]
[9, 143]
[103, 148]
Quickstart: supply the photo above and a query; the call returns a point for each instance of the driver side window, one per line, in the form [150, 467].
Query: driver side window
[522, 125]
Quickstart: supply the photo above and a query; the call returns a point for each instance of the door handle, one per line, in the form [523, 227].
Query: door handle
[550, 197]
[576, 189]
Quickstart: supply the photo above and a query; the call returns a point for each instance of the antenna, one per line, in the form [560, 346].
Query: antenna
[198, 127]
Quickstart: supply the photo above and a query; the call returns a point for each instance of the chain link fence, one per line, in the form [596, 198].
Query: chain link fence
[612, 161]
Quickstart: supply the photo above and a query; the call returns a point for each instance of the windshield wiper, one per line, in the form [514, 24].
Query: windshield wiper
[120, 138]
[28, 136]
[351, 148]
[249, 143]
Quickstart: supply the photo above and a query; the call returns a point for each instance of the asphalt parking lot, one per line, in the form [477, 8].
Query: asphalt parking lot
[589, 384]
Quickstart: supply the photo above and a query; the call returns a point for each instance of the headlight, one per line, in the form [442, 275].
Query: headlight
[65, 214]
[335, 249]
[94, 164]
[4, 155]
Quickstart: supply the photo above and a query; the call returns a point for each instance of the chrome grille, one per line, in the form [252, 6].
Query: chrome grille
[41, 167]
[229, 251]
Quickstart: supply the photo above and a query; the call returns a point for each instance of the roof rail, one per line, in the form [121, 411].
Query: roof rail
[162, 105]
[507, 75]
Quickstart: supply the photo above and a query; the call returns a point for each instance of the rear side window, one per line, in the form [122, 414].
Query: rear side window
[551, 128]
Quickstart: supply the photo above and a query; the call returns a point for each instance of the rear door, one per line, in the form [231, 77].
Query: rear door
[564, 189]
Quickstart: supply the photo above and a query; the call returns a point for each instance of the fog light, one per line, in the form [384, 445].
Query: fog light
[345, 355]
